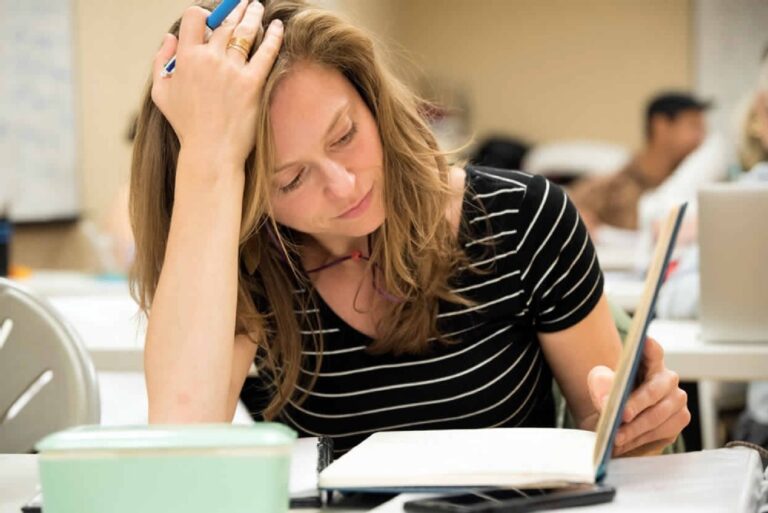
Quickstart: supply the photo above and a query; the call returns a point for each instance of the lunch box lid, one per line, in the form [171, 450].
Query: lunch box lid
[167, 436]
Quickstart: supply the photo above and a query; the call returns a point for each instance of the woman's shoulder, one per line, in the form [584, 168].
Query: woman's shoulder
[491, 182]
[494, 189]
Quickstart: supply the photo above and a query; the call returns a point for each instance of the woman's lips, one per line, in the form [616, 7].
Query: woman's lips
[359, 208]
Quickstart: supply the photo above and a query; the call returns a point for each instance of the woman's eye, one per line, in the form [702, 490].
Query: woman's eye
[295, 182]
[347, 137]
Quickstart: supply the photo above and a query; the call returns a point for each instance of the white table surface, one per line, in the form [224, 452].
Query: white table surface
[73, 283]
[114, 335]
[113, 331]
[615, 258]
[720, 481]
[101, 311]
[624, 288]
[111, 327]
[694, 359]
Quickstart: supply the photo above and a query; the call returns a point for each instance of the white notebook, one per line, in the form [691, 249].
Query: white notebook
[507, 457]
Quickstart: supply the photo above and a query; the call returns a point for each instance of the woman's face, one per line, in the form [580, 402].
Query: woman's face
[328, 177]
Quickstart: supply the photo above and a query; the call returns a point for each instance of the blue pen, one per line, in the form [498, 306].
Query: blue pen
[214, 20]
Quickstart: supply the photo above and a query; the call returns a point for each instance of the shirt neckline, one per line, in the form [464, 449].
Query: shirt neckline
[344, 326]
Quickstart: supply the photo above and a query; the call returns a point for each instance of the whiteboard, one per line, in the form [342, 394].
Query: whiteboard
[38, 130]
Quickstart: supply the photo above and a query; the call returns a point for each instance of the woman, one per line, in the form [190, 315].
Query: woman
[291, 208]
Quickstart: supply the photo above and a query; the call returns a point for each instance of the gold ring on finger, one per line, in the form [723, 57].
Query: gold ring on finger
[241, 44]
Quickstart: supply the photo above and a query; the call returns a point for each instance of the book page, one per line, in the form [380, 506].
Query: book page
[631, 354]
[520, 457]
[303, 477]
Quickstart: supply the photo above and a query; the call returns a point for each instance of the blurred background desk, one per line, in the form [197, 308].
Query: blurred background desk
[708, 363]
[113, 331]
[624, 288]
[694, 359]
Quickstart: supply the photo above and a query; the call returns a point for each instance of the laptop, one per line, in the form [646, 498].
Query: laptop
[733, 239]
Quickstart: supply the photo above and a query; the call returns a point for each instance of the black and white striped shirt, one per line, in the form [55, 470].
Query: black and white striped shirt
[544, 277]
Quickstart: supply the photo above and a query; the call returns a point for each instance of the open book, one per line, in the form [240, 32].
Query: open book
[508, 457]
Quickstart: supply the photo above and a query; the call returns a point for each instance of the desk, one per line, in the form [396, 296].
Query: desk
[706, 362]
[113, 330]
[102, 312]
[624, 289]
[688, 355]
[719, 481]
[111, 327]
[614, 257]
[72, 283]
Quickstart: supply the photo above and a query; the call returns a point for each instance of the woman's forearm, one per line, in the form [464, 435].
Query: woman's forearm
[189, 346]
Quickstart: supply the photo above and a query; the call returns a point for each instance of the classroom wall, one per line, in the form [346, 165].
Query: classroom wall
[554, 69]
[115, 41]
[541, 69]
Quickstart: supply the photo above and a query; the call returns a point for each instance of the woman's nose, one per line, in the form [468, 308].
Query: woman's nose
[340, 182]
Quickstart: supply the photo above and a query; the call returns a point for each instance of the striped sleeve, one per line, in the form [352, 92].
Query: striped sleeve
[560, 271]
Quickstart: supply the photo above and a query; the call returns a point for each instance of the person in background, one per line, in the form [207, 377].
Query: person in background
[674, 127]
[753, 422]
[679, 297]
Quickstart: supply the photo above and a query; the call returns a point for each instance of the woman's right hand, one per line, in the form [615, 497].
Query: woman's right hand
[212, 97]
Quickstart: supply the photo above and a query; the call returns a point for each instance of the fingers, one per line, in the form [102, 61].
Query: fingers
[221, 35]
[167, 50]
[651, 365]
[265, 56]
[599, 382]
[246, 31]
[650, 392]
[192, 28]
[645, 450]
[652, 418]
[653, 355]
[663, 435]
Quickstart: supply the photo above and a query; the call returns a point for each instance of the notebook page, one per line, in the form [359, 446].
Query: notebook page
[466, 457]
[303, 476]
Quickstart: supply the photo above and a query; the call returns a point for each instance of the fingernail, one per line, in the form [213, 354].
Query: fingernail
[277, 23]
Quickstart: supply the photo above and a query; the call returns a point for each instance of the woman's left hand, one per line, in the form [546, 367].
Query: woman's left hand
[656, 411]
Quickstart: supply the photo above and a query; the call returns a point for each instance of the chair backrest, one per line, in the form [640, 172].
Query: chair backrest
[47, 379]
[575, 158]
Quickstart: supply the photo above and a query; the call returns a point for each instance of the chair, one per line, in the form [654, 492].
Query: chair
[47, 379]
[564, 161]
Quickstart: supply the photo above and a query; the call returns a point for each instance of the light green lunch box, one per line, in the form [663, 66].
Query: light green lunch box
[199, 468]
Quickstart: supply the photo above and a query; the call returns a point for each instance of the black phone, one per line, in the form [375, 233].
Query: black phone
[508, 500]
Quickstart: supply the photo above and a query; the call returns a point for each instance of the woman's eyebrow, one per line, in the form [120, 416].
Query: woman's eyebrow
[341, 110]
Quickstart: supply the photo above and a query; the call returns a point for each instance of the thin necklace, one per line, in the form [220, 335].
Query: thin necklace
[356, 256]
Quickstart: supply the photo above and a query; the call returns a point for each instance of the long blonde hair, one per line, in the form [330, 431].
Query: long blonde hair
[415, 250]
[751, 148]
